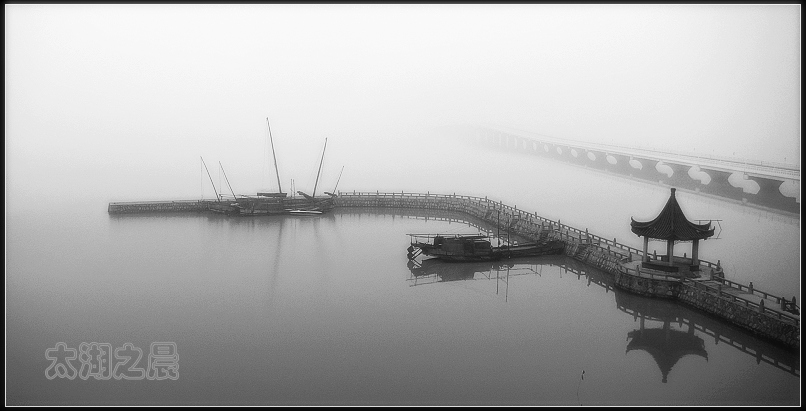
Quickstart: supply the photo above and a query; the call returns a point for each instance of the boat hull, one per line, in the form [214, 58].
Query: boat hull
[474, 250]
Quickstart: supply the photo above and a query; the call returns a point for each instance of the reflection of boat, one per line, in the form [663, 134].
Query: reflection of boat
[452, 272]
[461, 247]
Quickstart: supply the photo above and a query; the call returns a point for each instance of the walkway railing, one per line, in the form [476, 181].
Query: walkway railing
[526, 224]
[610, 254]
[737, 300]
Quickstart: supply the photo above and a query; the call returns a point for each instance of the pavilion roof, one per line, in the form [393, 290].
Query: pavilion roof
[672, 224]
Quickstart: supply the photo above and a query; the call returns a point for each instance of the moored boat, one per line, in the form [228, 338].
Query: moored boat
[463, 247]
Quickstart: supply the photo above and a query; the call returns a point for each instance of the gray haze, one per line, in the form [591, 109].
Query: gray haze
[117, 102]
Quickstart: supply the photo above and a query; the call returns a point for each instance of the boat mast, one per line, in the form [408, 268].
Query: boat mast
[499, 227]
[320, 170]
[225, 178]
[274, 156]
[211, 179]
[338, 179]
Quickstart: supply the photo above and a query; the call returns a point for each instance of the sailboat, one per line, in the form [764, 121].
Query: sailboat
[272, 203]
[265, 203]
[314, 206]
[223, 207]
[279, 193]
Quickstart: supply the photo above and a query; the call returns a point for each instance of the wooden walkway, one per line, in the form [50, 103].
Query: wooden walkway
[710, 292]
[737, 303]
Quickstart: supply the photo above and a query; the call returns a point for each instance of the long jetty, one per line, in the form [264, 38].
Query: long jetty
[757, 311]
[743, 305]
[159, 206]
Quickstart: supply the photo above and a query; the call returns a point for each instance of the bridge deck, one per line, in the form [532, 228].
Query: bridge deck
[762, 168]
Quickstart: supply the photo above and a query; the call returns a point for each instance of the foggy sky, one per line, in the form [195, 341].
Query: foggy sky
[121, 100]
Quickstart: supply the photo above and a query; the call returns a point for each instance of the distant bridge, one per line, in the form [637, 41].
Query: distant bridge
[770, 185]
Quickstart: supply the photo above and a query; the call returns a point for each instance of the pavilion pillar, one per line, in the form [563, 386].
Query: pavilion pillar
[646, 249]
[695, 255]
[670, 250]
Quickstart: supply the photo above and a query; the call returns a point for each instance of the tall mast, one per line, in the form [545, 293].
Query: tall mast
[338, 179]
[228, 184]
[211, 179]
[320, 170]
[274, 156]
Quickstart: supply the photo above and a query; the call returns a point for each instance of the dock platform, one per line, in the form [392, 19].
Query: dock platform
[772, 317]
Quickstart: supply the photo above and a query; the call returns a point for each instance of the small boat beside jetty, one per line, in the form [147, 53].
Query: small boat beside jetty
[463, 247]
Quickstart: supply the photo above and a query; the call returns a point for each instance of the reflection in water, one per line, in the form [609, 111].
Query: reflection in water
[435, 270]
[672, 346]
[280, 311]
[668, 312]
[665, 345]
[660, 339]
[440, 270]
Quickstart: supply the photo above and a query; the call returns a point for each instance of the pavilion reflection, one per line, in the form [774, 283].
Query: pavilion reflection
[669, 331]
[666, 330]
[666, 346]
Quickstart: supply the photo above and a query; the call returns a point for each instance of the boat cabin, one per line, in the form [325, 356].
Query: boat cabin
[463, 245]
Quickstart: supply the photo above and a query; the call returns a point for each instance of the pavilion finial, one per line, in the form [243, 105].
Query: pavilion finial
[673, 190]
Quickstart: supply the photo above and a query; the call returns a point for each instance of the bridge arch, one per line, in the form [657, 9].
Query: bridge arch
[697, 174]
[790, 188]
[740, 180]
[663, 168]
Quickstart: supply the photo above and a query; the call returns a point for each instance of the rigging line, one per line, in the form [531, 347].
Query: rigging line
[279, 187]
[338, 179]
[211, 178]
[263, 168]
[320, 169]
[201, 180]
[225, 177]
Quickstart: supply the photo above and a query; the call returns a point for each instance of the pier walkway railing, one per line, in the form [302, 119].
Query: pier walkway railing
[518, 221]
[723, 297]
[158, 206]
[744, 305]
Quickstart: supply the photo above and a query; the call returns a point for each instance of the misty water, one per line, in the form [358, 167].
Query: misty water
[325, 310]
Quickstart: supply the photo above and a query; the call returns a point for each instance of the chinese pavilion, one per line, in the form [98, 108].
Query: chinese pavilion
[672, 225]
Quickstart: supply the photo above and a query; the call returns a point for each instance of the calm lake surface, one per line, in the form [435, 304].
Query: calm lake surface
[325, 310]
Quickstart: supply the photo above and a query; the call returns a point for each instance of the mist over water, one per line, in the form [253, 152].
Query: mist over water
[118, 102]
[323, 310]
